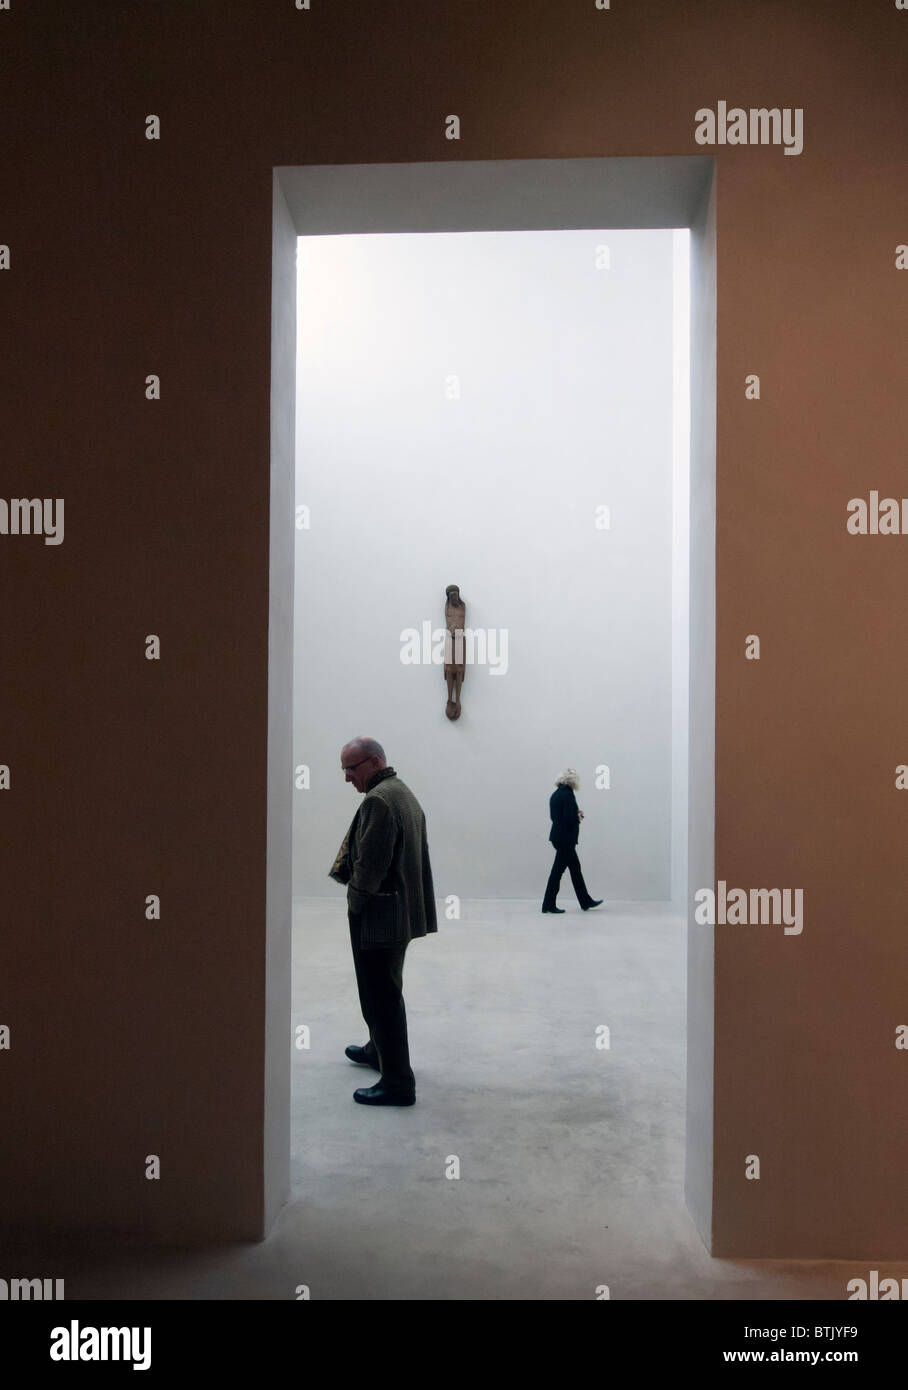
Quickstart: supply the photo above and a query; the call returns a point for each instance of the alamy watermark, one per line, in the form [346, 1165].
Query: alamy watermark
[759, 125]
[888, 517]
[464, 647]
[874, 1289]
[28, 1290]
[759, 907]
[86, 1343]
[32, 516]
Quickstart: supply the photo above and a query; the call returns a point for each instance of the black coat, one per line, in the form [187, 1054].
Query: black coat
[563, 808]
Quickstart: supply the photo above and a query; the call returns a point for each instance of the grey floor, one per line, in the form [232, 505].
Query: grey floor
[571, 1158]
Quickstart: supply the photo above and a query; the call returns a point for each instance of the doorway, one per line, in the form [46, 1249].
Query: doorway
[486, 197]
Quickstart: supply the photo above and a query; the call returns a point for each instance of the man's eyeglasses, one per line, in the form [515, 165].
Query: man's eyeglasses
[352, 766]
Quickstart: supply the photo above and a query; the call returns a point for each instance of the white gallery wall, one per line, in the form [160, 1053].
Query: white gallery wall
[468, 404]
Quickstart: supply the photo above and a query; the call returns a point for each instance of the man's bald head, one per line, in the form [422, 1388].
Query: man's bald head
[365, 748]
[361, 758]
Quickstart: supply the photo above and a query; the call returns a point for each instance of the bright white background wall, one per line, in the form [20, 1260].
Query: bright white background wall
[565, 404]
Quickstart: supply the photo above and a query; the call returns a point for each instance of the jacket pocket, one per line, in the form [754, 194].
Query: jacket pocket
[382, 920]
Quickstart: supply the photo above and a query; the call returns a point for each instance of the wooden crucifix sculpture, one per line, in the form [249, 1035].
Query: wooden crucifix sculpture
[455, 657]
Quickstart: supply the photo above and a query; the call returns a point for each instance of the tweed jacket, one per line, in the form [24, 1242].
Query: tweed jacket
[387, 849]
[565, 830]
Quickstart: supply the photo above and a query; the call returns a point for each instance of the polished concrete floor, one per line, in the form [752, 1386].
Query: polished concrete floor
[571, 1157]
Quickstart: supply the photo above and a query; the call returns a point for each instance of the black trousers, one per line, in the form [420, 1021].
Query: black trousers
[566, 859]
[380, 981]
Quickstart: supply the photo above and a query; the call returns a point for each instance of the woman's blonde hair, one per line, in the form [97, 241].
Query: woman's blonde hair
[569, 778]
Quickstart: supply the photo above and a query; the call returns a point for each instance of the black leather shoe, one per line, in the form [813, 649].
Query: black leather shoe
[553, 909]
[594, 902]
[380, 1094]
[362, 1055]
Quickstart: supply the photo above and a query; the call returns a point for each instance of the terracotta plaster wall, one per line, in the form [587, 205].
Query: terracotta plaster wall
[131, 777]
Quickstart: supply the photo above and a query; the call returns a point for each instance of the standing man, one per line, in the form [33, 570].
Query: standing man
[384, 861]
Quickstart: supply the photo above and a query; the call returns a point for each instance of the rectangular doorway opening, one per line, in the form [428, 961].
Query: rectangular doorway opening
[491, 391]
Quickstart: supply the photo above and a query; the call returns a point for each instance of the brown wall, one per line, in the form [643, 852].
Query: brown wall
[132, 777]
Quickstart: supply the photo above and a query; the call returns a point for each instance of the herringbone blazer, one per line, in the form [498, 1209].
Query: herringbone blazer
[388, 849]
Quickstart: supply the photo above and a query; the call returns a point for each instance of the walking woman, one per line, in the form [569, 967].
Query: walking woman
[564, 834]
